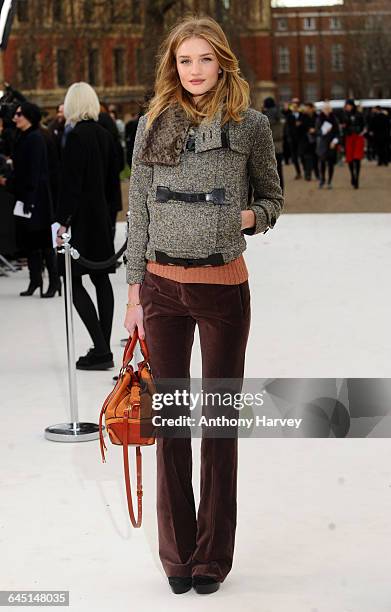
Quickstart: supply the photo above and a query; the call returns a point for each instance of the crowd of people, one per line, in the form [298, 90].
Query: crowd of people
[66, 171]
[315, 140]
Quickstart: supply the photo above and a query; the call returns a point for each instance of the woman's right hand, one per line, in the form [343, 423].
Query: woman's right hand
[135, 318]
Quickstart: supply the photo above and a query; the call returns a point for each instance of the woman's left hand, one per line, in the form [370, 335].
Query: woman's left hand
[248, 219]
[61, 230]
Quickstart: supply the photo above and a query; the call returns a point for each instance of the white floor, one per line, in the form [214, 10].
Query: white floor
[313, 532]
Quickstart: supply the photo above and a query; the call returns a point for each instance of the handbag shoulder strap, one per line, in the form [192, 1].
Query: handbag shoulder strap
[127, 477]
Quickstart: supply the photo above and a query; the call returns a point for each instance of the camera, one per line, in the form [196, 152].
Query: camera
[9, 102]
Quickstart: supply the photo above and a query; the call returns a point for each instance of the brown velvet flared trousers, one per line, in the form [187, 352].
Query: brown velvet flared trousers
[196, 544]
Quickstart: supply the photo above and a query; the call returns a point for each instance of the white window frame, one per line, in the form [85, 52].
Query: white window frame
[281, 91]
[309, 23]
[284, 60]
[313, 96]
[337, 58]
[310, 58]
[282, 24]
[335, 23]
[337, 95]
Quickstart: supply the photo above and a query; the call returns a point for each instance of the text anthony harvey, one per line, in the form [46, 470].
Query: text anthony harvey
[222, 421]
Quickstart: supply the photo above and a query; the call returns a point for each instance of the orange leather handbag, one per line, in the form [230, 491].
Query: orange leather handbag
[128, 416]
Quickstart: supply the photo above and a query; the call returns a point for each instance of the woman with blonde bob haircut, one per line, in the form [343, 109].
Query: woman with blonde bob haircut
[204, 174]
[88, 197]
[81, 103]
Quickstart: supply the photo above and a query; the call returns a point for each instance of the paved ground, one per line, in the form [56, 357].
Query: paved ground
[373, 195]
[314, 526]
[306, 197]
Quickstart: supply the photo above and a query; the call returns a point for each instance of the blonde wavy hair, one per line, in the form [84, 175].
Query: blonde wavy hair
[231, 93]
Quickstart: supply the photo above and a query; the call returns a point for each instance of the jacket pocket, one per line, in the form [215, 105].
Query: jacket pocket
[183, 228]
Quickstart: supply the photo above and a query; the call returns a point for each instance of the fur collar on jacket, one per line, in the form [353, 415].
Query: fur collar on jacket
[163, 142]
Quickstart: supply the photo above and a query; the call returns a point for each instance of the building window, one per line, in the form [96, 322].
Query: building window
[89, 11]
[337, 57]
[119, 66]
[311, 92]
[93, 67]
[335, 23]
[285, 93]
[22, 10]
[222, 10]
[310, 58]
[376, 60]
[337, 91]
[27, 69]
[139, 64]
[283, 60]
[309, 23]
[58, 10]
[63, 63]
[119, 11]
[135, 11]
[282, 24]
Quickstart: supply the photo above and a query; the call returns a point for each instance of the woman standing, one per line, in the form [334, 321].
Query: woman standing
[197, 151]
[88, 195]
[31, 186]
[353, 125]
[327, 139]
[272, 112]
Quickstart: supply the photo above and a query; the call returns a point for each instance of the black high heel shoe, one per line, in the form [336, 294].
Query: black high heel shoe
[205, 585]
[52, 290]
[180, 585]
[31, 288]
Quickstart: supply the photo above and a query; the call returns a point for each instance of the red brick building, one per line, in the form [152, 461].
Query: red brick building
[330, 52]
[284, 52]
[56, 42]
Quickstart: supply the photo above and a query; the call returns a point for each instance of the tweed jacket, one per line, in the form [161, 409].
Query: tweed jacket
[243, 165]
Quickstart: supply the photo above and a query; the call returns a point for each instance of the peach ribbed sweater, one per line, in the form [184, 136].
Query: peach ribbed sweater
[232, 273]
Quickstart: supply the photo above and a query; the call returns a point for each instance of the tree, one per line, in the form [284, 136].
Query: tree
[367, 52]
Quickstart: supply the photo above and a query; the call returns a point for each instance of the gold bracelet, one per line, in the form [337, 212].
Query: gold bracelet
[135, 304]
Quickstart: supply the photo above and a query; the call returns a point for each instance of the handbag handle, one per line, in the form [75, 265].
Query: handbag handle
[130, 345]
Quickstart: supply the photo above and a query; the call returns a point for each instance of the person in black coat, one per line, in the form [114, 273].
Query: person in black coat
[31, 185]
[327, 139]
[56, 129]
[294, 118]
[277, 123]
[379, 129]
[88, 197]
[307, 141]
[130, 136]
[106, 121]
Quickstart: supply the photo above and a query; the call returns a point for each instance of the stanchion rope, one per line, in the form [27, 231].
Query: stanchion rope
[101, 265]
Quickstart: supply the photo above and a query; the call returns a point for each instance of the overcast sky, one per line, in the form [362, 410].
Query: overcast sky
[305, 2]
